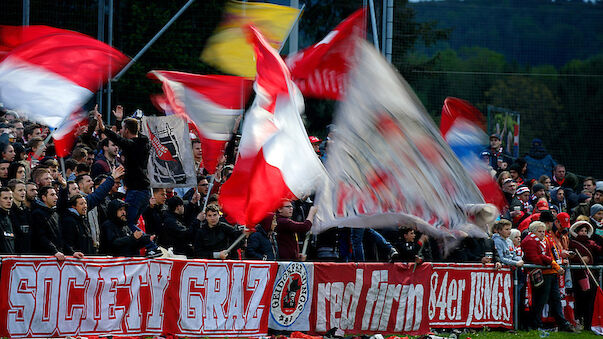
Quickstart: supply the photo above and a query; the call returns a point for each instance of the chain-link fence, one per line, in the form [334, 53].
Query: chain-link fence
[541, 59]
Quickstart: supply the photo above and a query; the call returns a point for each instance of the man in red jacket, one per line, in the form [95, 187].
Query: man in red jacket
[537, 251]
[287, 231]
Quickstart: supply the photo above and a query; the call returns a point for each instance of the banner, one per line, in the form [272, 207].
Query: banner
[171, 163]
[41, 297]
[470, 295]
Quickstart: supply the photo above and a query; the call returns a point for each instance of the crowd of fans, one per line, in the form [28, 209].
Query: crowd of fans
[99, 202]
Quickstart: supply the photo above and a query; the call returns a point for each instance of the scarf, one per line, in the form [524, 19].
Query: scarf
[541, 243]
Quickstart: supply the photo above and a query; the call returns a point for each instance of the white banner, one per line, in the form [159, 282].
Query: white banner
[171, 163]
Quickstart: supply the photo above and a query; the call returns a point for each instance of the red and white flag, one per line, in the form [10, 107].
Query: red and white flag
[462, 126]
[48, 73]
[276, 159]
[212, 102]
[320, 70]
[597, 323]
[66, 134]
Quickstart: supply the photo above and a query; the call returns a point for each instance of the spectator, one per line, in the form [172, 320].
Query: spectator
[287, 231]
[521, 207]
[75, 227]
[19, 216]
[214, 237]
[41, 176]
[70, 169]
[562, 178]
[546, 181]
[8, 152]
[589, 184]
[16, 170]
[135, 150]
[4, 172]
[262, 243]
[538, 160]
[558, 199]
[506, 253]
[153, 215]
[499, 159]
[7, 235]
[117, 238]
[107, 160]
[79, 154]
[596, 218]
[37, 151]
[46, 232]
[31, 194]
[585, 289]
[538, 251]
[176, 235]
[410, 250]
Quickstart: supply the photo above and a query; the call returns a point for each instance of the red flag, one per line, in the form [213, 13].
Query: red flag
[320, 70]
[276, 159]
[597, 324]
[462, 126]
[66, 134]
[212, 102]
[47, 73]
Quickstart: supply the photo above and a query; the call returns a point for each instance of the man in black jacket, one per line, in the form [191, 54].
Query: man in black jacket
[214, 237]
[20, 217]
[7, 236]
[46, 233]
[175, 233]
[135, 150]
[116, 237]
[75, 226]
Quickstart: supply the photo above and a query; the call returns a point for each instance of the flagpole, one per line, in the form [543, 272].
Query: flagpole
[211, 184]
[39, 151]
[235, 243]
[301, 10]
[152, 41]
[63, 167]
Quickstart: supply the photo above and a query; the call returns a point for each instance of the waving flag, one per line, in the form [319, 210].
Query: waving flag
[212, 102]
[65, 135]
[320, 70]
[276, 159]
[229, 50]
[48, 73]
[388, 163]
[462, 126]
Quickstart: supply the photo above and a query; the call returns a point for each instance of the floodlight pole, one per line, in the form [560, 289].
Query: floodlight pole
[152, 41]
[25, 21]
[110, 43]
[374, 24]
[294, 35]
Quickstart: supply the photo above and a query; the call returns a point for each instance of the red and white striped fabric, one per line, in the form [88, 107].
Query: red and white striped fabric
[49, 73]
[212, 102]
[320, 70]
[276, 159]
[64, 136]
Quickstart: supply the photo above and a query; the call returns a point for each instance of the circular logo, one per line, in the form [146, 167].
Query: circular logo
[290, 294]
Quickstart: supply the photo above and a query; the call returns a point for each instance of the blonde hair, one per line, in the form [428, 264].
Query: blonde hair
[534, 226]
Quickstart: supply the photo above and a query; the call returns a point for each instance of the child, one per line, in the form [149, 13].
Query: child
[502, 230]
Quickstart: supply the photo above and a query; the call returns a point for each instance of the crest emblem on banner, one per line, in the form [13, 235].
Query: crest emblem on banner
[290, 294]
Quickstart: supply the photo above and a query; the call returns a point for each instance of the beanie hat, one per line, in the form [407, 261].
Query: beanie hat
[537, 187]
[595, 208]
[266, 223]
[521, 190]
[599, 186]
[547, 216]
[174, 202]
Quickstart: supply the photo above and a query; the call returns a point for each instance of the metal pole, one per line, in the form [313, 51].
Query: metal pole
[301, 10]
[211, 185]
[294, 36]
[515, 299]
[110, 43]
[383, 25]
[390, 30]
[25, 13]
[101, 37]
[152, 41]
[374, 24]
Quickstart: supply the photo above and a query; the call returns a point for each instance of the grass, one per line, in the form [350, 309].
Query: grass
[487, 334]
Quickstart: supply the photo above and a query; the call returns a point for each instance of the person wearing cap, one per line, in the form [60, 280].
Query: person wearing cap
[499, 159]
[539, 161]
[538, 192]
[175, 233]
[315, 144]
[117, 239]
[520, 207]
[596, 219]
[586, 250]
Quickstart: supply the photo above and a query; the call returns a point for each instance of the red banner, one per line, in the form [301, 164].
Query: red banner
[371, 298]
[470, 295]
[41, 297]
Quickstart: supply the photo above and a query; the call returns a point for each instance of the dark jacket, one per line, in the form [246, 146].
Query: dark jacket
[261, 245]
[286, 230]
[210, 241]
[136, 153]
[7, 236]
[102, 166]
[20, 218]
[473, 250]
[116, 237]
[76, 232]
[47, 237]
[176, 234]
[153, 220]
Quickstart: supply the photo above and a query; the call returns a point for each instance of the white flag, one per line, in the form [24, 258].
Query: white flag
[388, 164]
